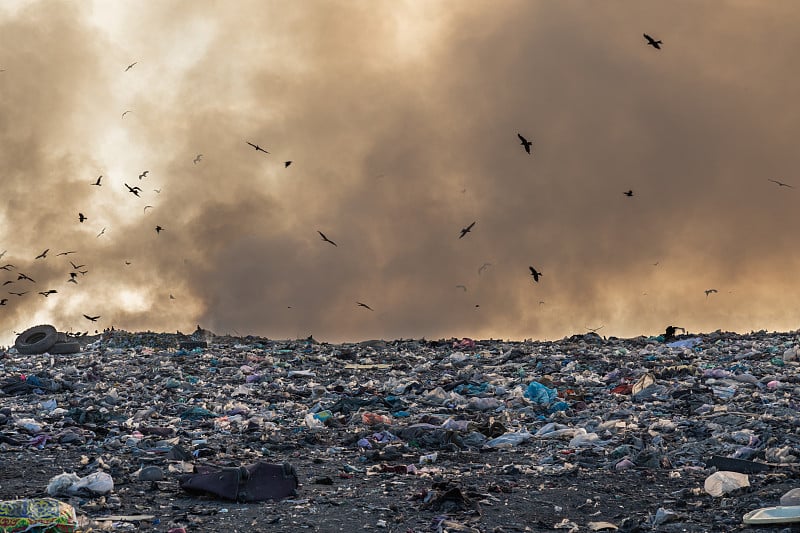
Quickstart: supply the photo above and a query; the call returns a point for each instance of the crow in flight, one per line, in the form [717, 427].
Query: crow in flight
[81, 217]
[159, 229]
[98, 181]
[125, 113]
[595, 330]
[365, 306]
[134, 190]
[9, 282]
[9, 266]
[652, 42]
[2, 254]
[197, 158]
[102, 231]
[781, 184]
[92, 318]
[628, 193]
[286, 164]
[76, 267]
[324, 238]
[145, 208]
[130, 66]
[525, 142]
[535, 274]
[709, 291]
[48, 293]
[143, 174]
[23, 276]
[18, 293]
[257, 147]
[67, 253]
[3, 301]
[466, 230]
[43, 255]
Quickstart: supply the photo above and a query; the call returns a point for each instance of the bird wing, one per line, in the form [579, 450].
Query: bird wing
[251, 144]
[649, 39]
[523, 139]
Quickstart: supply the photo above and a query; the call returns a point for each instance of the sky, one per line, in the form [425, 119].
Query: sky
[400, 119]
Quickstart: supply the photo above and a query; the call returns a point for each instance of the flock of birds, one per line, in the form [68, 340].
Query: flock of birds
[27, 282]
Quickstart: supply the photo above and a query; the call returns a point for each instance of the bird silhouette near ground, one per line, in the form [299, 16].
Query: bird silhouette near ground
[130, 66]
[257, 147]
[98, 181]
[781, 184]
[364, 306]
[525, 142]
[92, 318]
[535, 273]
[466, 230]
[628, 193]
[43, 255]
[595, 330]
[326, 239]
[197, 158]
[652, 42]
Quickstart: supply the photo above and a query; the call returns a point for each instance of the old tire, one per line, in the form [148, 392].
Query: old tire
[62, 337]
[65, 347]
[37, 339]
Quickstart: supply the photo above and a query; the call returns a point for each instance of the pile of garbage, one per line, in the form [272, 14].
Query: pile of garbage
[688, 432]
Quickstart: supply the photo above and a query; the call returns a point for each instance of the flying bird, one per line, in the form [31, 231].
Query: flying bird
[780, 183]
[76, 267]
[18, 293]
[257, 147]
[145, 208]
[23, 276]
[709, 291]
[43, 255]
[197, 158]
[159, 229]
[133, 190]
[67, 253]
[144, 174]
[92, 318]
[326, 239]
[483, 267]
[525, 142]
[158, 191]
[72, 279]
[652, 42]
[127, 262]
[101, 232]
[466, 230]
[81, 217]
[628, 193]
[125, 113]
[462, 287]
[542, 302]
[595, 330]
[171, 297]
[98, 181]
[9, 282]
[48, 293]
[286, 164]
[3, 301]
[364, 306]
[535, 274]
[8, 266]
[2, 254]
[130, 66]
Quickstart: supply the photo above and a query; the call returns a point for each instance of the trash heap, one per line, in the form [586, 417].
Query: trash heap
[204, 432]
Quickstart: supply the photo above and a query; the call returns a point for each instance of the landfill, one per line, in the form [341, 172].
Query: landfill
[172, 432]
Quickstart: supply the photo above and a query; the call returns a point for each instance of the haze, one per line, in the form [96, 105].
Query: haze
[401, 122]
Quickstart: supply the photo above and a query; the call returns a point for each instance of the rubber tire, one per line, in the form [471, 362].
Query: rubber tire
[36, 340]
[65, 347]
[190, 345]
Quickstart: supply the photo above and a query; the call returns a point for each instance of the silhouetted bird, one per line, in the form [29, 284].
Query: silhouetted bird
[535, 274]
[8, 266]
[72, 280]
[780, 183]
[595, 330]
[364, 305]
[76, 267]
[125, 113]
[81, 217]
[652, 42]
[628, 193]
[130, 66]
[23, 276]
[3, 301]
[92, 318]
[102, 231]
[98, 181]
[286, 164]
[48, 293]
[18, 293]
[144, 174]
[670, 333]
[463, 287]
[197, 158]
[171, 297]
[709, 291]
[324, 238]
[525, 142]
[43, 255]
[257, 147]
[145, 208]
[133, 190]
[159, 229]
[483, 267]
[466, 230]
[67, 253]
[9, 282]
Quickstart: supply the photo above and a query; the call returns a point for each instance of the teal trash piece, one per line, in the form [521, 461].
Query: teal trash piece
[558, 406]
[538, 393]
[197, 413]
